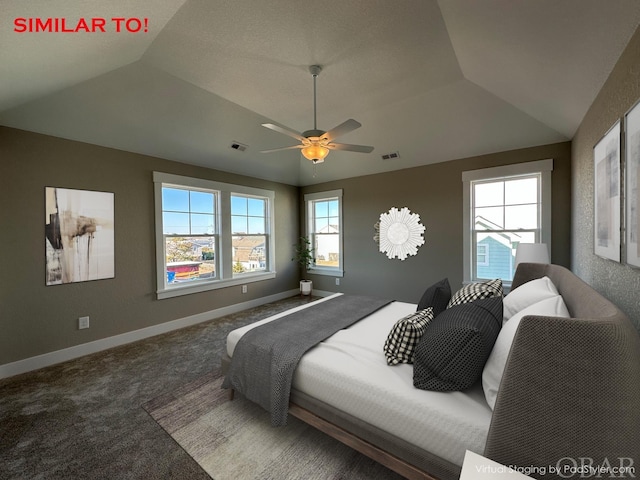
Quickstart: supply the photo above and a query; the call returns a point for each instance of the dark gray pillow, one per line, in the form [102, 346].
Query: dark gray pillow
[453, 350]
[436, 296]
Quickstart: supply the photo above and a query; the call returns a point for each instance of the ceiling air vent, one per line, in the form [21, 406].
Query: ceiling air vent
[391, 156]
[238, 146]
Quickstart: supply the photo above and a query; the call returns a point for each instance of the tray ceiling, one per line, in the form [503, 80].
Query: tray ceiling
[432, 80]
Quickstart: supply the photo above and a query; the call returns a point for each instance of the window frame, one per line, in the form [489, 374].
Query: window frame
[543, 168]
[223, 231]
[310, 199]
[247, 217]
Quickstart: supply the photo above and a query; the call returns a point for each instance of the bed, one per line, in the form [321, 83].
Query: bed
[345, 387]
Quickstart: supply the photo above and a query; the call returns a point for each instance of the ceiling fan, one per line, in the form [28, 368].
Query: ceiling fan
[315, 144]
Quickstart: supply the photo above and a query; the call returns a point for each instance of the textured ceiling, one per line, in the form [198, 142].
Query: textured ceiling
[432, 80]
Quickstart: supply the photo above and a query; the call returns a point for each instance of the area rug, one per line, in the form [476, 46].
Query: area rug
[234, 440]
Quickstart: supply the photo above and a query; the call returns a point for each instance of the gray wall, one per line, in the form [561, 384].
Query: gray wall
[36, 319]
[616, 281]
[435, 193]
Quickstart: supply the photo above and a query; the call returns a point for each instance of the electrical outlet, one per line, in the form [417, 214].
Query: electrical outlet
[83, 322]
[244, 289]
[337, 281]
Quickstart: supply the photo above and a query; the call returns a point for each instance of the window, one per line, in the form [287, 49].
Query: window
[324, 229]
[189, 230]
[249, 228]
[504, 206]
[210, 234]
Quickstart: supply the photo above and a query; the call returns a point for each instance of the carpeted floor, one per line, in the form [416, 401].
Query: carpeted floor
[83, 419]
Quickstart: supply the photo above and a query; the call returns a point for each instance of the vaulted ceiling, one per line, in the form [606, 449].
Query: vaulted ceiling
[430, 80]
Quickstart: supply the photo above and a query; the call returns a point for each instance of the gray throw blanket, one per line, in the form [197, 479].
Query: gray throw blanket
[266, 356]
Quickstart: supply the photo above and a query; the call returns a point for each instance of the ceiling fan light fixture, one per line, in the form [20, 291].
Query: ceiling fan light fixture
[315, 144]
[315, 153]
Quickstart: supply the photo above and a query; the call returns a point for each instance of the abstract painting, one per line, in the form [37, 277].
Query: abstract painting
[606, 156]
[79, 235]
[632, 174]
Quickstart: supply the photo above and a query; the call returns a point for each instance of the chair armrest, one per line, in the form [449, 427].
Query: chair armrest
[570, 390]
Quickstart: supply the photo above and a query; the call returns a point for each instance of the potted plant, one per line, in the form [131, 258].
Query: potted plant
[304, 256]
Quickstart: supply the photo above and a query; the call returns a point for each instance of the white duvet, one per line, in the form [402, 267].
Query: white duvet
[349, 372]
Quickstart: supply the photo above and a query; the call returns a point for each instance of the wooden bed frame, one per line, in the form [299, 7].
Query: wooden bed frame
[385, 458]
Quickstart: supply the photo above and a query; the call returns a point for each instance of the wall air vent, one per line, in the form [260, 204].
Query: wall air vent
[391, 156]
[238, 146]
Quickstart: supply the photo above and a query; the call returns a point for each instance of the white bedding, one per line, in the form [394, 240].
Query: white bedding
[348, 371]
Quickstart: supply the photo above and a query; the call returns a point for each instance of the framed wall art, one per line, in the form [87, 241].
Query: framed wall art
[632, 173]
[79, 235]
[606, 156]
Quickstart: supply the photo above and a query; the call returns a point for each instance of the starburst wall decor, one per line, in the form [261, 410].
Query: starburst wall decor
[400, 233]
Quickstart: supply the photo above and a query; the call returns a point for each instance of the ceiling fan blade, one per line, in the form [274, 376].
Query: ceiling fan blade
[350, 148]
[344, 127]
[282, 148]
[286, 131]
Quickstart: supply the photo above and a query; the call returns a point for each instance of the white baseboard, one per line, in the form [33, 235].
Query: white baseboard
[47, 359]
[322, 293]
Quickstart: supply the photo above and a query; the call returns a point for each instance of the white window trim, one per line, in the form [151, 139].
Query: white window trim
[224, 264]
[311, 197]
[543, 167]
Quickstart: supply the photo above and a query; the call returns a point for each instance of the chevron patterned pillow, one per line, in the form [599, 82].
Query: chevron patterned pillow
[477, 291]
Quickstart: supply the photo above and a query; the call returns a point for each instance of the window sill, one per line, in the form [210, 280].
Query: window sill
[187, 289]
[331, 272]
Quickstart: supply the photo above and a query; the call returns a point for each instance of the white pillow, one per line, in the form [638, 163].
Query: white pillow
[527, 294]
[497, 361]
